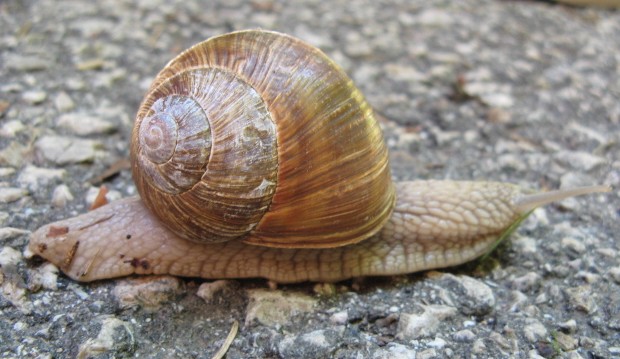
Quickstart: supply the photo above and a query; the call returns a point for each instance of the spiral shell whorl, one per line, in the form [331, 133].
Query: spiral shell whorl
[327, 182]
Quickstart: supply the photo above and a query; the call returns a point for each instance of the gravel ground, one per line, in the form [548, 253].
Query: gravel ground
[519, 91]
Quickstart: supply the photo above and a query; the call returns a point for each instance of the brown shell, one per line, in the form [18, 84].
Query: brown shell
[286, 151]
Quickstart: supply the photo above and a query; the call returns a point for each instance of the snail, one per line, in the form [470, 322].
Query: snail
[255, 156]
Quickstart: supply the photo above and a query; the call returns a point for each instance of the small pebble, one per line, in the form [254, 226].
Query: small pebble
[209, 290]
[581, 298]
[527, 282]
[533, 330]
[339, 318]
[565, 341]
[274, 308]
[33, 177]
[61, 196]
[465, 335]
[471, 296]
[148, 292]
[34, 97]
[63, 102]
[415, 326]
[25, 63]
[84, 124]
[569, 326]
[115, 336]
[11, 194]
[62, 150]
[11, 128]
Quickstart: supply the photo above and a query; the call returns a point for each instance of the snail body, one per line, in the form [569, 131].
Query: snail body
[255, 156]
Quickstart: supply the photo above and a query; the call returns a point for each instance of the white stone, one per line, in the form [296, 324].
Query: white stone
[63, 150]
[33, 177]
[11, 194]
[63, 102]
[61, 196]
[34, 97]
[12, 128]
[415, 326]
[84, 124]
[207, 291]
[9, 257]
[274, 307]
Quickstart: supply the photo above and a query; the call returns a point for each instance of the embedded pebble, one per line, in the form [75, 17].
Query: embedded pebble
[394, 350]
[583, 161]
[415, 326]
[581, 298]
[339, 318]
[148, 292]
[614, 273]
[464, 335]
[565, 341]
[62, 150]
[34, 97]
[209, 290]
[83, 124]
[478, 347]
[316, 344]
[274, 308]
[11, 194]
[437, 343]
[116, 336]
[10, 232]
[33, 177]
[9, 257]
[574, 245]
[534, 330]
[569, 326]
[6, 171]
[471, 296]
[61, 196]
[63, 102]
[44, 276]
[26, 63]
[527, 282]
[11, 128]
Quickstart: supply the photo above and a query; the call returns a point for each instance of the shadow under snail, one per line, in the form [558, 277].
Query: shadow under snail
[256, 156]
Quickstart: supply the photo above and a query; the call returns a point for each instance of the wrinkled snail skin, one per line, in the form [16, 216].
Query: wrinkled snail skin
[455, 223]
[435, 224]
[255, 156]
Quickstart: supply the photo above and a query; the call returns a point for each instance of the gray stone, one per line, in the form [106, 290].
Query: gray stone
[11, 128]
[63, 102]
[582, 298]
[17, 62]
[65, 150]
[393, 351]
[464, 335]
[527, 282]
[469, 295]
[34, 97]
[61, 196]
[11, 194]
[115, 337]
[315, 344]
[146, 292]
[426, 324]
[209, 290]
[533, 330]
[84, 124]
[276, 308]
[33, 177]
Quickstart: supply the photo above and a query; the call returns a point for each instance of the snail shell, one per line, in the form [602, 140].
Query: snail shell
[258, 132]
